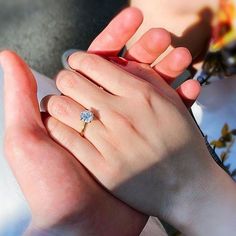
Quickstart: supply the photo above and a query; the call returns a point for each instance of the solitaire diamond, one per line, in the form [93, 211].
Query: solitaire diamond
[86, 116]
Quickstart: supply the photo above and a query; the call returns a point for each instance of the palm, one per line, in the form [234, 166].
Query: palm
[58, 189]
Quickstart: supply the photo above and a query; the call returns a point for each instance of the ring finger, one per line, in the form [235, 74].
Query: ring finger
[67, 111]
[68, 138]
[85, 92]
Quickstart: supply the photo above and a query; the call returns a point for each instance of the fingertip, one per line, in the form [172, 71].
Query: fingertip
[158, 35]
[114, 37]
[6, 52]
[131, 13]
[191, 88]
[44, 103]
[13, 64]
[127, 16]
[75, 59]
[189, 92]
[174, 64]
[71, 60]
[20, 91]
[182, 58]
[7, 55]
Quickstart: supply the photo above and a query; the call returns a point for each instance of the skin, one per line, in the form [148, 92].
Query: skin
[77, 215]
[158, 173]
[109, 167]
[146, 49]
[58, 207]
[48, 220]
[67, 200]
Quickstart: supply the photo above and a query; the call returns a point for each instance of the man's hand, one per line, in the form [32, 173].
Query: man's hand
[146, 50]
[63, 197]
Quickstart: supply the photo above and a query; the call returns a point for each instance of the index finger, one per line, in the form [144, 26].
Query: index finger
[114, 37]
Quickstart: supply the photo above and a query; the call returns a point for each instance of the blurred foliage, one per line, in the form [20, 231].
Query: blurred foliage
[226, 142]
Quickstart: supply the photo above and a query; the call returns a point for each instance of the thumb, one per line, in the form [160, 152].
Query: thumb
[20, 93]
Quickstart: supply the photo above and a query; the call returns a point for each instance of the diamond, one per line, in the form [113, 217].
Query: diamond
[86, 116]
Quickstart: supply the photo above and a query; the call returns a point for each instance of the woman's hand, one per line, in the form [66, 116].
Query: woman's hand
[143, 144]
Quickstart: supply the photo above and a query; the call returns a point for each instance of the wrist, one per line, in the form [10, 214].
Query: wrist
[208, 206]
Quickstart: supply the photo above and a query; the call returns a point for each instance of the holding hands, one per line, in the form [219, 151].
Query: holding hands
[141, 133]
[142, 145]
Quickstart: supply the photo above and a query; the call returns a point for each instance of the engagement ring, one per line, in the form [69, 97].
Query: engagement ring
[87, 117]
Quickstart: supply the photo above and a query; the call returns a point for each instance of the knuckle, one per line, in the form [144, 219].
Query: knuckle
[106, 109]
[121, 121]
[65, 140]
[144, 91]
[57, 132]
[58, 106]
[65, 79]
[89, 61]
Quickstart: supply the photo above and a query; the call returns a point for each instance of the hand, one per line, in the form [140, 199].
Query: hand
[63, 197]
[190, 22]
[144, 145]
[146, 50]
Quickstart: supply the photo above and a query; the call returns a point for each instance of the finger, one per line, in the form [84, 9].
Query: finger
[32, 155]
[68, 112]
[83, 91]
[68, 138]
[23, 126]
[174, 64]
[114, 37]
[189, 91]
[144, 72]
[150, 46]
[20, 93]
[103, 73]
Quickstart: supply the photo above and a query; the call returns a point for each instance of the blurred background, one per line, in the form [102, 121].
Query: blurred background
[40, 31]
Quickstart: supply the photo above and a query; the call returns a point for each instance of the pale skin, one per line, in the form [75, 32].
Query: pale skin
[143, 147]
[64, 199]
